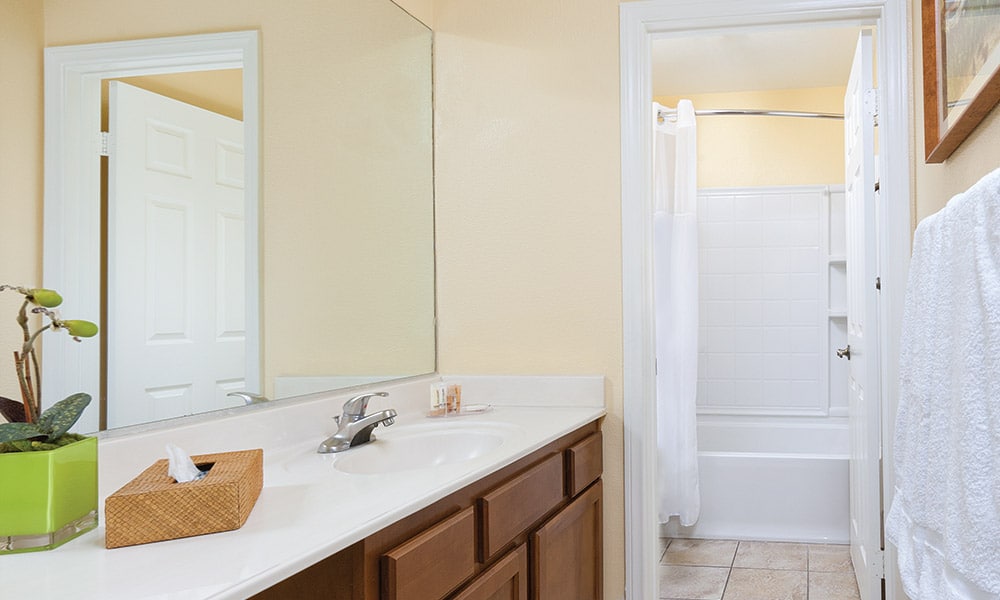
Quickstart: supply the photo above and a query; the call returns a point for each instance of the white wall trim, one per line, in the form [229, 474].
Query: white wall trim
[640, 22]
[72, 215]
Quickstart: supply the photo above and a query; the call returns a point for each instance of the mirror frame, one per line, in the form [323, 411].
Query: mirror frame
[72, 201]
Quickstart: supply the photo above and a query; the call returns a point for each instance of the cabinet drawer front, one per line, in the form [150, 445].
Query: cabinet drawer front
[514, 506]
[506, 580]
[433, 563]
[584, 463]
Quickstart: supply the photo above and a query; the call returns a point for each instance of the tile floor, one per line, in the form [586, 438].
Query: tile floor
[731, 570]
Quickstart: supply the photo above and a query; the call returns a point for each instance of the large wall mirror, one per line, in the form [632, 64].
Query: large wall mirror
[290, 253]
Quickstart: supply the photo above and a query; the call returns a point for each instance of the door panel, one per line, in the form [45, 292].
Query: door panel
[863, 383]
[176, 250]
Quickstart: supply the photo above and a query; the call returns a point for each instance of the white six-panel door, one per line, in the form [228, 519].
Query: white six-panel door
[864, 407]
[177, 320]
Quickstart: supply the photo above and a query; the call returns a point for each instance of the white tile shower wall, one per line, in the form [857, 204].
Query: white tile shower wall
[765, 300]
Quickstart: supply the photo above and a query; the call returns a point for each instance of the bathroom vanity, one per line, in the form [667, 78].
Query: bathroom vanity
[503, 504]
[535, 524]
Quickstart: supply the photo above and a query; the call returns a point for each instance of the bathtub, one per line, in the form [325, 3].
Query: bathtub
[785, 481]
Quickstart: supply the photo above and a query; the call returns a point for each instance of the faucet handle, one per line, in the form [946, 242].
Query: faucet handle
[356, 406]
[249, 398]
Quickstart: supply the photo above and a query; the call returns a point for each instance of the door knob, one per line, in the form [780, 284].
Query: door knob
[844, 352]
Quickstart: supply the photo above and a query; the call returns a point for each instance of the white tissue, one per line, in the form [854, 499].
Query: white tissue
[181, 466]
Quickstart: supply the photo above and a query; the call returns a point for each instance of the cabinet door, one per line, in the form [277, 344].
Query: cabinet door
[567, 562]
[506, 580]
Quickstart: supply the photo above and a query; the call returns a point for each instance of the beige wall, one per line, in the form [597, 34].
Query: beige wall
[20, 169]
[978, 155]
[742, 151]
[528, 203]
[218, 91]
[347, 270]
[421, 9]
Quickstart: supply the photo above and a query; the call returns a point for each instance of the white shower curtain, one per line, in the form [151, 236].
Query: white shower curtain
[675, 288]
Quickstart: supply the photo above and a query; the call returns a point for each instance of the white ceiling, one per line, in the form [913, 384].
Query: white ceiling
[797, 57]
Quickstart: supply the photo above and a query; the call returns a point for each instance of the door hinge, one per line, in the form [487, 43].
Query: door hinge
[877, 564]
[105, 144]
[871, 104]
[878, 283]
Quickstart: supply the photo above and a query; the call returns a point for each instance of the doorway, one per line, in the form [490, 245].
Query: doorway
[640, 24]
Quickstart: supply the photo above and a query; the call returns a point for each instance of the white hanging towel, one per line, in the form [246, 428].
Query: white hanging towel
[945, 515]
[675, 290]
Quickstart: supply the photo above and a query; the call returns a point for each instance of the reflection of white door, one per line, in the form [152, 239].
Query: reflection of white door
[177, 285]
[862, 328]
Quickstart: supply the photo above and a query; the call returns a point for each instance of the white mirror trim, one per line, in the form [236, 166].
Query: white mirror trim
[72, 220]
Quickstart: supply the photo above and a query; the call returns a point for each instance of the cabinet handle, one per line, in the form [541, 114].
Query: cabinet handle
[844, 352]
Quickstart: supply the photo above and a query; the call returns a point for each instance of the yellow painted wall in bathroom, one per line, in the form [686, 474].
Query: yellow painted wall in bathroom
[20, 170]
[218, 91]
[528, 204]
[744, 151]
[421, 9]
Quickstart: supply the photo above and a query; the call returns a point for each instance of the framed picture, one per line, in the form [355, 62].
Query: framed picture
[961, 70]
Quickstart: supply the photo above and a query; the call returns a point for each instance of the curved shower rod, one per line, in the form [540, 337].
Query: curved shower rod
[668, 113]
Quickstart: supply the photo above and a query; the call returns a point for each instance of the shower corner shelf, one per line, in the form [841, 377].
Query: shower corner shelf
[838, 314]
[837, 259]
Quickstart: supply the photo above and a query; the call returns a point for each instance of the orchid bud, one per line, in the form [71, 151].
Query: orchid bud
[80, 328]
[44, 297]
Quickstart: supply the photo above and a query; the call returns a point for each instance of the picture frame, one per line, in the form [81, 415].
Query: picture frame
[961, 60]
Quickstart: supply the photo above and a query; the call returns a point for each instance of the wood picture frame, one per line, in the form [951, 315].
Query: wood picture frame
[961, 55]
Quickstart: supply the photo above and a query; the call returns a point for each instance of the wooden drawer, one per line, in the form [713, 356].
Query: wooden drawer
[433, 563]
[512, 508]
[505, 580]
[584, 463]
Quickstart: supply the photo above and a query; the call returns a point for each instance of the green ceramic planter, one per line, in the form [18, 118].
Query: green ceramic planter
[47, 498]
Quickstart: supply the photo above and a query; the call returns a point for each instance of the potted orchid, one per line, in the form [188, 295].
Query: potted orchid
[48, 476]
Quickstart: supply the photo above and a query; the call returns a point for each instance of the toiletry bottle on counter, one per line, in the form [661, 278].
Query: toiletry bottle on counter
[439, 399]
[454, 398]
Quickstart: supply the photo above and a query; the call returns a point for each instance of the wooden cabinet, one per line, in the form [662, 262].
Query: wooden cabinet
[433, 563]
[505, 580]
[510, 509]
[529, 531]
[567, 551]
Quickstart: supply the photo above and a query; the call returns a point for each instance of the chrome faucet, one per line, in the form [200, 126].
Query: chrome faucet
[354, 427]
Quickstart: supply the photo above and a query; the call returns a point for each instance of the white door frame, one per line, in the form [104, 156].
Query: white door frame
[72, 215]
[640, 23]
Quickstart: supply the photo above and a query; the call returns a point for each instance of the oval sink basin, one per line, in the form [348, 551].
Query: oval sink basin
[419, 449]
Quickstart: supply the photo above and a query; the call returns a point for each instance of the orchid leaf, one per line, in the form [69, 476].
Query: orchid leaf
[12, 432]
[62, 415]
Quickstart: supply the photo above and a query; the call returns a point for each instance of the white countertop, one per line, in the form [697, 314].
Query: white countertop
[308, 509]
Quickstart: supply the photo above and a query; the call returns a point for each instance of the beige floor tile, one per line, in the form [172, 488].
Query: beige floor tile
[704, 553]
[833, 586]
[692, 583]
[772, 555]
[830, 558]
[766, 584]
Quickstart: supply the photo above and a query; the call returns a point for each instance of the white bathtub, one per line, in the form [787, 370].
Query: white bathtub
[765, 481]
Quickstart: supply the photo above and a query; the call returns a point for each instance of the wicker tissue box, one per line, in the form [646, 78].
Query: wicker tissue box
[153, 507]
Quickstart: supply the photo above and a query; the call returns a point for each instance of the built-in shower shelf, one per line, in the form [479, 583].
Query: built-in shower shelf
[837, 259]
[838, 314]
